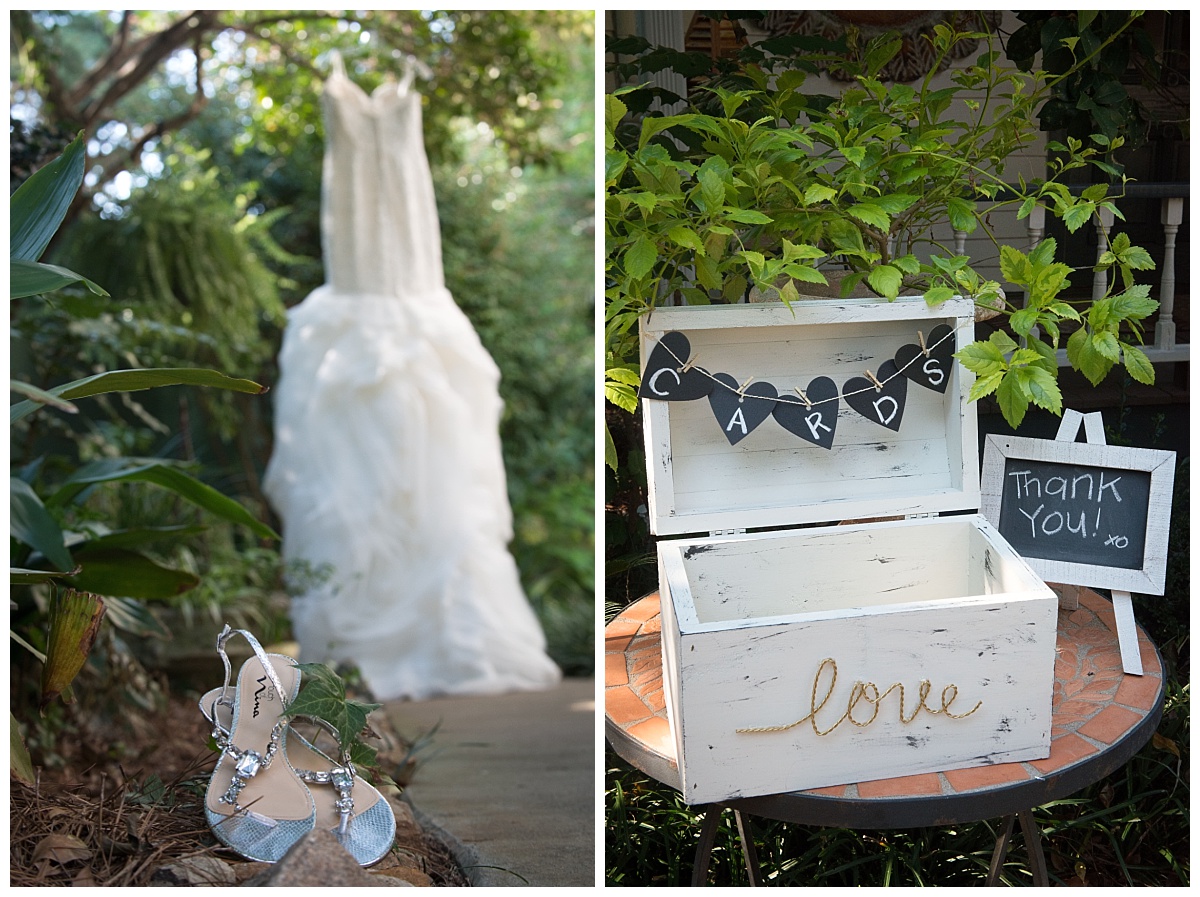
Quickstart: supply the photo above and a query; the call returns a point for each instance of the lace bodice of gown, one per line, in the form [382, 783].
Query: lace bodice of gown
[378, 212]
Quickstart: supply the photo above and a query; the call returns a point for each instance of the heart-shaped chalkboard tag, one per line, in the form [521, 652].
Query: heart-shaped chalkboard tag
[883, 406]
[931, 368]
[664, 377]
[815, 422]
[740, 414]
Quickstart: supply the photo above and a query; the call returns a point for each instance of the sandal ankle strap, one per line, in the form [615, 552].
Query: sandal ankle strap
[222, 638]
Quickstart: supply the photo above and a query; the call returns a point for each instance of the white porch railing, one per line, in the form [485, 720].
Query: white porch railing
[1164, 348]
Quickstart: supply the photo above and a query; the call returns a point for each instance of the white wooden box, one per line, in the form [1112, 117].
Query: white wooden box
[787, 652]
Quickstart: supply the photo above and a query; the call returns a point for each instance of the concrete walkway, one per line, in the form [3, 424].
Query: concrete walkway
[510, 782]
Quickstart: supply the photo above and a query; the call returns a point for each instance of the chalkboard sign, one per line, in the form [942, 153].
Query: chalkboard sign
[1080, 513]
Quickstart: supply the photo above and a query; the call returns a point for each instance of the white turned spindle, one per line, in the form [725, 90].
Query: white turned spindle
[960, 242]
[1035, 226]
[1100, 278]
[1172, 217]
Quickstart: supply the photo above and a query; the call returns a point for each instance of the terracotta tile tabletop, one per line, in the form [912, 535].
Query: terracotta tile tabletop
[1101, 717]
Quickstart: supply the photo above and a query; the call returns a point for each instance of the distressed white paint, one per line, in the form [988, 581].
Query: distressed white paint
[698, 482]
[748, 619]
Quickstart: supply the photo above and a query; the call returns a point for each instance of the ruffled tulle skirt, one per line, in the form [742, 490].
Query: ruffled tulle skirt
[388, 477]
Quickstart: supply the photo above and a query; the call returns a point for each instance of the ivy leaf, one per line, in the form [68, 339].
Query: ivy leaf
[323, 696]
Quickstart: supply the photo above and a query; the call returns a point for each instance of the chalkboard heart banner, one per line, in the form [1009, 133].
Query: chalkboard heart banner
[740, 409]
[671, 375]
[928, 367]
[816, 418]
[880, 398]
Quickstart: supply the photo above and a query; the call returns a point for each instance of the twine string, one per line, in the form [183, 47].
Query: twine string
[877, 384]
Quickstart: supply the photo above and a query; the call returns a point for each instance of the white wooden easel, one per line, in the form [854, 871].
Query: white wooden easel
[1131, 658]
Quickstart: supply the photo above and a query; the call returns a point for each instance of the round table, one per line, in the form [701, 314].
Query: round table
[1101, 718]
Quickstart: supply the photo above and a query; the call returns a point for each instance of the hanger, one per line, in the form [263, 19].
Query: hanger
[412, 68]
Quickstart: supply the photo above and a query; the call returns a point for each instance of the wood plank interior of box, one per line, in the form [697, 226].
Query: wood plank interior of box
[771, 477]
[844, 569]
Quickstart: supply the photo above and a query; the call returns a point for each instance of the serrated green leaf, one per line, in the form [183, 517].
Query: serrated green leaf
[982, 358]
[1078, 215]
[885, 280]
[1081, 352]
[1023, 321]
[1002, 341]
[687, 238]
[615, 162]
[818, 193]
[938, 295]
[1015, 267]
[639, 258]
[1137, 364]
[747, 216]
[962, 215]
[984, 386]
[1105, 342]
[870, 214]
[1043, 389]
[1013, 403]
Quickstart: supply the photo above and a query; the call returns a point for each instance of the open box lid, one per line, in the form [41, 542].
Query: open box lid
[710, 468]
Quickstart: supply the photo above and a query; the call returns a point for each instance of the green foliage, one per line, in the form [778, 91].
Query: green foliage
[50, 542]
[323, 697]
[182, 254]
[1089, 55]
[778, 187]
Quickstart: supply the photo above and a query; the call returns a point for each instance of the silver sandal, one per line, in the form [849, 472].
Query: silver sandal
[351, 809]
[256, 803]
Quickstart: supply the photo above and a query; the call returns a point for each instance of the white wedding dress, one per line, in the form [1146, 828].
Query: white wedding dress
[387, 464]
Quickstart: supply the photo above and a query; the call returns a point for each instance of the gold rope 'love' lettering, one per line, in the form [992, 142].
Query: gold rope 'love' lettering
[866, 692]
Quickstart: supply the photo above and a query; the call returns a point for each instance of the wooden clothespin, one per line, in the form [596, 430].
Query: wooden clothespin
[875, 380]
[804, 398]
[921, 340]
